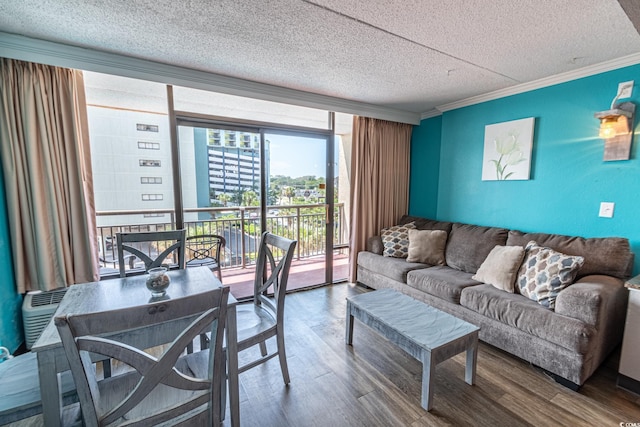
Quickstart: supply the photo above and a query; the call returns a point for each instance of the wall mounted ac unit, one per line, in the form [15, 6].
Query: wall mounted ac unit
[37, 310]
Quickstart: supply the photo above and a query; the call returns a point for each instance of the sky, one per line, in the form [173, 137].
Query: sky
[297, 156]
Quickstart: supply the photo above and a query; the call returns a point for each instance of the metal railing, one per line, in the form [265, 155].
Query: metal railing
[240, 226]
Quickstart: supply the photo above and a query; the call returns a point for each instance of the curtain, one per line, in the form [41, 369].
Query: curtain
[46, 163]
[380, 180]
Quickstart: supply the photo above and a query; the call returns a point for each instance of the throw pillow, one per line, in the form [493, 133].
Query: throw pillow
[545, 272]
[427, 246]
[396, 240]
[501, 266]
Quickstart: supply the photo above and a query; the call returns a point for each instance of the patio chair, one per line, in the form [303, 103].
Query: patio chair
[175, 239]
[171, 387]
[205, 250]
[265, 316]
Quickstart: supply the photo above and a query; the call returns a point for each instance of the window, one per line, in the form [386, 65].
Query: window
[153, 215]
[148, 145]
[151, 180]
[152, 197]
[146, 128]
[153, 163]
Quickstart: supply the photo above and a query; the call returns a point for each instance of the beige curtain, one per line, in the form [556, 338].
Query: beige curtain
[380, 180]
[46, 163]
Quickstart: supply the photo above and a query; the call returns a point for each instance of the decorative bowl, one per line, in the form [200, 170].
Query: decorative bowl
[158, 281]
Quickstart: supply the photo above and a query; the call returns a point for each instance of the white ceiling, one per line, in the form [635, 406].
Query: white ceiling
[409, 55]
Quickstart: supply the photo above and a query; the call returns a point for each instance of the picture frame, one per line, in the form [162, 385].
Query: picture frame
[507, 150]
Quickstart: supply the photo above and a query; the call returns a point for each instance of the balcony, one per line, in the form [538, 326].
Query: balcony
[240, 226]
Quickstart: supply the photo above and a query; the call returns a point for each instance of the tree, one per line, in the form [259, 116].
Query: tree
[224, 198]
[250, 198]
[289, 192]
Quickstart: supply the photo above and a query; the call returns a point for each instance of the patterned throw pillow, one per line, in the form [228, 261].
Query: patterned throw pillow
[545, 272]
[396, 240]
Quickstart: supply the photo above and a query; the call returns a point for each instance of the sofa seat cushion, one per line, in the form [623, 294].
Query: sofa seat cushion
[529, 316]
[390, 267]
[441, 281]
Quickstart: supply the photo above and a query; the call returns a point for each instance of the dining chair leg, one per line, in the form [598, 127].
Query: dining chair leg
[263, 348]
[282, 355]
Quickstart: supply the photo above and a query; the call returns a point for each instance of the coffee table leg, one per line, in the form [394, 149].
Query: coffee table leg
[472, 356]
[348, 337]
[428, 373]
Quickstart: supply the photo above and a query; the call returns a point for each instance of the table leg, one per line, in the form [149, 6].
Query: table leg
[349, 332]
[232, 364]
[428, 373]
[50, 393]
[472, 356]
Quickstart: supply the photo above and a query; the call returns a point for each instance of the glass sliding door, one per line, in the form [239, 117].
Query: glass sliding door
[299, 200]
[220, 170]
[238, 181]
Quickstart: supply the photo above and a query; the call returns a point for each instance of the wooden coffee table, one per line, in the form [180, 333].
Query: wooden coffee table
[426, 333]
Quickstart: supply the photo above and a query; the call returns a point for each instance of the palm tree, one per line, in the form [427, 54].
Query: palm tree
[249, 198]
[224, 198]
[289, 192]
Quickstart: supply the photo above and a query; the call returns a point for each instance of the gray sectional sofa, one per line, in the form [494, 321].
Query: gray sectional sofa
[569, 342]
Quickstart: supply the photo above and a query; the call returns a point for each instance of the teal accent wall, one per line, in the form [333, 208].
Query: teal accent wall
[568, 181]
[425, 168]
[11, 331]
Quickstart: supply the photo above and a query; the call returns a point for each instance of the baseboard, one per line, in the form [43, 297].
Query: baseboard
[629, 384]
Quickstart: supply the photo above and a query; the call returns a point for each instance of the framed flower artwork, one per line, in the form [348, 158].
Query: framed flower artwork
[507, 150]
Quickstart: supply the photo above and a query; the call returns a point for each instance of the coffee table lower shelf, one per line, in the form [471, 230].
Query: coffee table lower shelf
[426, 333]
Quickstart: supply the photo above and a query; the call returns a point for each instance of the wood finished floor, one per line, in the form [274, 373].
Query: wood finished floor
[373, 383]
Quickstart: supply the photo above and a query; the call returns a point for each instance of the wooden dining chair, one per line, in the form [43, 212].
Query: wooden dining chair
[166, 242]
[265, 316]
[205, 250]
[171, 387]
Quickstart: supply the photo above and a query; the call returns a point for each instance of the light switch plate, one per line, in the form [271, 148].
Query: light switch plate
[606, 209]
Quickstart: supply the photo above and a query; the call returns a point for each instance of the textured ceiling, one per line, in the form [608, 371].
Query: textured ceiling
[410, 55]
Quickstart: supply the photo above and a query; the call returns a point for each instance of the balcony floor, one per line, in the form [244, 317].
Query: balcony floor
[304, 273]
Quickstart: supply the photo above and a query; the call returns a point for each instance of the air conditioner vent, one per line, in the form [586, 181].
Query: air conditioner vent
[37, 310]
[46, 298]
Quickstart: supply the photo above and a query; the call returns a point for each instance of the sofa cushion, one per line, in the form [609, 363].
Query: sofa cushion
[427, 246]
[609, 256]
[396, 240]
[441, 281]
[426, 224]
[469, 245]
[500, 269]
[393, 268]
[545, 272]
[529, 316]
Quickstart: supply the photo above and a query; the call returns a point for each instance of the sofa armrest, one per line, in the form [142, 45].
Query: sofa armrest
[595, 300]
[374, 244]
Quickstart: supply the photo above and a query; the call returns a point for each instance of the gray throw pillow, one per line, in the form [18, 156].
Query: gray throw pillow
[501, 266]
[427, 246]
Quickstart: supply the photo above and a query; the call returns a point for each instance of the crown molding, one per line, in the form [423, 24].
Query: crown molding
[41, 51]
[591, 70]
[431, 113]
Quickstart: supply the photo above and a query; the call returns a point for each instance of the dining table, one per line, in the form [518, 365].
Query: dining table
[119, 293]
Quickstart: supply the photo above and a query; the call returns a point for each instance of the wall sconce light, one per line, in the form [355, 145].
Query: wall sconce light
[616, 128]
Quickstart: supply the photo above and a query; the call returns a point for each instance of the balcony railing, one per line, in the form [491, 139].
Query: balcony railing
[240, 226]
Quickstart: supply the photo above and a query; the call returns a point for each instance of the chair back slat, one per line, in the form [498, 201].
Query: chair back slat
[205, 250]
[124, 241]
